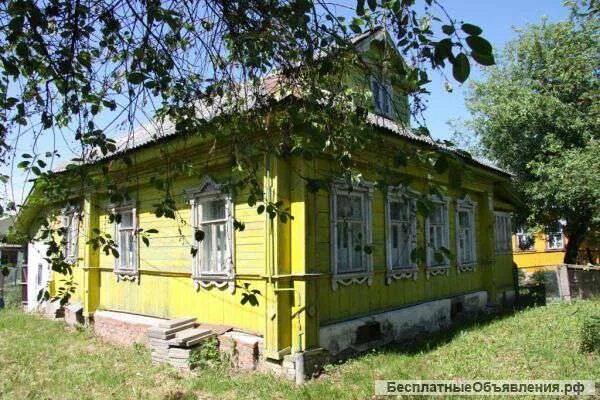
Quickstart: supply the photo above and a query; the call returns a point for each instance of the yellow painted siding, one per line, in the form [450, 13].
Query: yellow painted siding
[539, 257]
[289, 263]
[356, 299]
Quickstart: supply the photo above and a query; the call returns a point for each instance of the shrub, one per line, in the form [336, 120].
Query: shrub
[590, 335]
[207, 355]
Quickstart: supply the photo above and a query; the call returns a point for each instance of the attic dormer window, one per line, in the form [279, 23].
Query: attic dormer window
[382, 96]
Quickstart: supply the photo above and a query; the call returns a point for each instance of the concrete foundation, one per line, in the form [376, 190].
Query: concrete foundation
[400, 324]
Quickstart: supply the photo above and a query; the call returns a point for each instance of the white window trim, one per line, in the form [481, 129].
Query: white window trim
[508, 217]
[209, 189]
[131, 274]
[444, 269]
[405, 272]
[470, 206]
[70, 221]
[562, 239]
[522, 232]
[385, 90]
[345, 279]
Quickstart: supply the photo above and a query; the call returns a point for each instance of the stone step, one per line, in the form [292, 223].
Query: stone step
[182, 338]
[174, 323]
[168, 333]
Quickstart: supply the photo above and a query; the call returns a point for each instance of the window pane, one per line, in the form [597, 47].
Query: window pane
[221, 247]
[357, 251]
[342, 246]
[207, 248]
[126, 219]
[213, 210]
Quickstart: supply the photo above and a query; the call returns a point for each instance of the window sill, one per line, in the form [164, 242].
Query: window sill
[219, 281]
[347, 279]
[402, 273]
[437, 270]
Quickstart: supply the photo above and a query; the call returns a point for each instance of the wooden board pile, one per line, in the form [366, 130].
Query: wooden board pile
[174, 341]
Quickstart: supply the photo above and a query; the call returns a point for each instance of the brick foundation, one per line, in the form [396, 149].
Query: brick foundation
[243, 349]
[125, 329]
[74, 314]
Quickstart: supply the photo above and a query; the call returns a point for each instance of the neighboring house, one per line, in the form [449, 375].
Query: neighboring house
[305, 284]
[13, 268]
[540, 249]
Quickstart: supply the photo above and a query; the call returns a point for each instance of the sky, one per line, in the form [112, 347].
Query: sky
[497, 18]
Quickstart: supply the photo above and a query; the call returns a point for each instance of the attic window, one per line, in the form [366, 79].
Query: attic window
[382, 96]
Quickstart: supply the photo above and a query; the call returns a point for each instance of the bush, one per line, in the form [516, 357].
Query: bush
[590, 335]
[207, 355]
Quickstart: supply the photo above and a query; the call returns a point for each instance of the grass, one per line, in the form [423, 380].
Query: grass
[42, 359]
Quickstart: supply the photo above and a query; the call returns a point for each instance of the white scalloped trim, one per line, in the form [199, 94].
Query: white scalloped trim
[408, 273]
[433, 271]
[339, 279]
[466, 268]
[126, 276]
[208, 283]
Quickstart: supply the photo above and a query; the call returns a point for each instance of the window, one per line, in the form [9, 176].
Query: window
[465, 234]
[39, 276]
[126, 267]
[436, 235]
[351, 234]
[71, 232]
[555, 237]
[525, 240]
[212, 215]
[503, 233]
[382, 96]
[401, 235]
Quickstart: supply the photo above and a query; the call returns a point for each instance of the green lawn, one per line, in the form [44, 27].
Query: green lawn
[41, 359]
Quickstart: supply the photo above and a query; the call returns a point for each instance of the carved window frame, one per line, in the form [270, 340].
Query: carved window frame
[70, 223]
[438, 269]
[131, 272]
[210, 190]
[502, 232]
[470, 207]
[365, 191]
[409, 271]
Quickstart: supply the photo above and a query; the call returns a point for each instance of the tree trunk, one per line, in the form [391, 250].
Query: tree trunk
[575, 238]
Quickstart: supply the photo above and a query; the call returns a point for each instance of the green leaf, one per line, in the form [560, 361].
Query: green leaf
[199, 235]
[442, 50]
[471, 29]
[135, 77]
[360, 7]
[372, 4]
[146, 241]
[448, 29]
[260, 209]
[483, 59]
[461, 68]
[479, 45]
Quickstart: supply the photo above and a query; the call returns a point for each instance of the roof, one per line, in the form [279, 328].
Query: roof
[273, 88]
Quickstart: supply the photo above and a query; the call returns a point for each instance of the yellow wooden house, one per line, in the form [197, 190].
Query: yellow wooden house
[303, 286]
[541, 249]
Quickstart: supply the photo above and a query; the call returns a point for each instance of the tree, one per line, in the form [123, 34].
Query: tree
[537, 114]
[81, 68]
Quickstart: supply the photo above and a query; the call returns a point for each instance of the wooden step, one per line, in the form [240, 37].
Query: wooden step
[182, 338]
[161, 333]
[174, 323]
